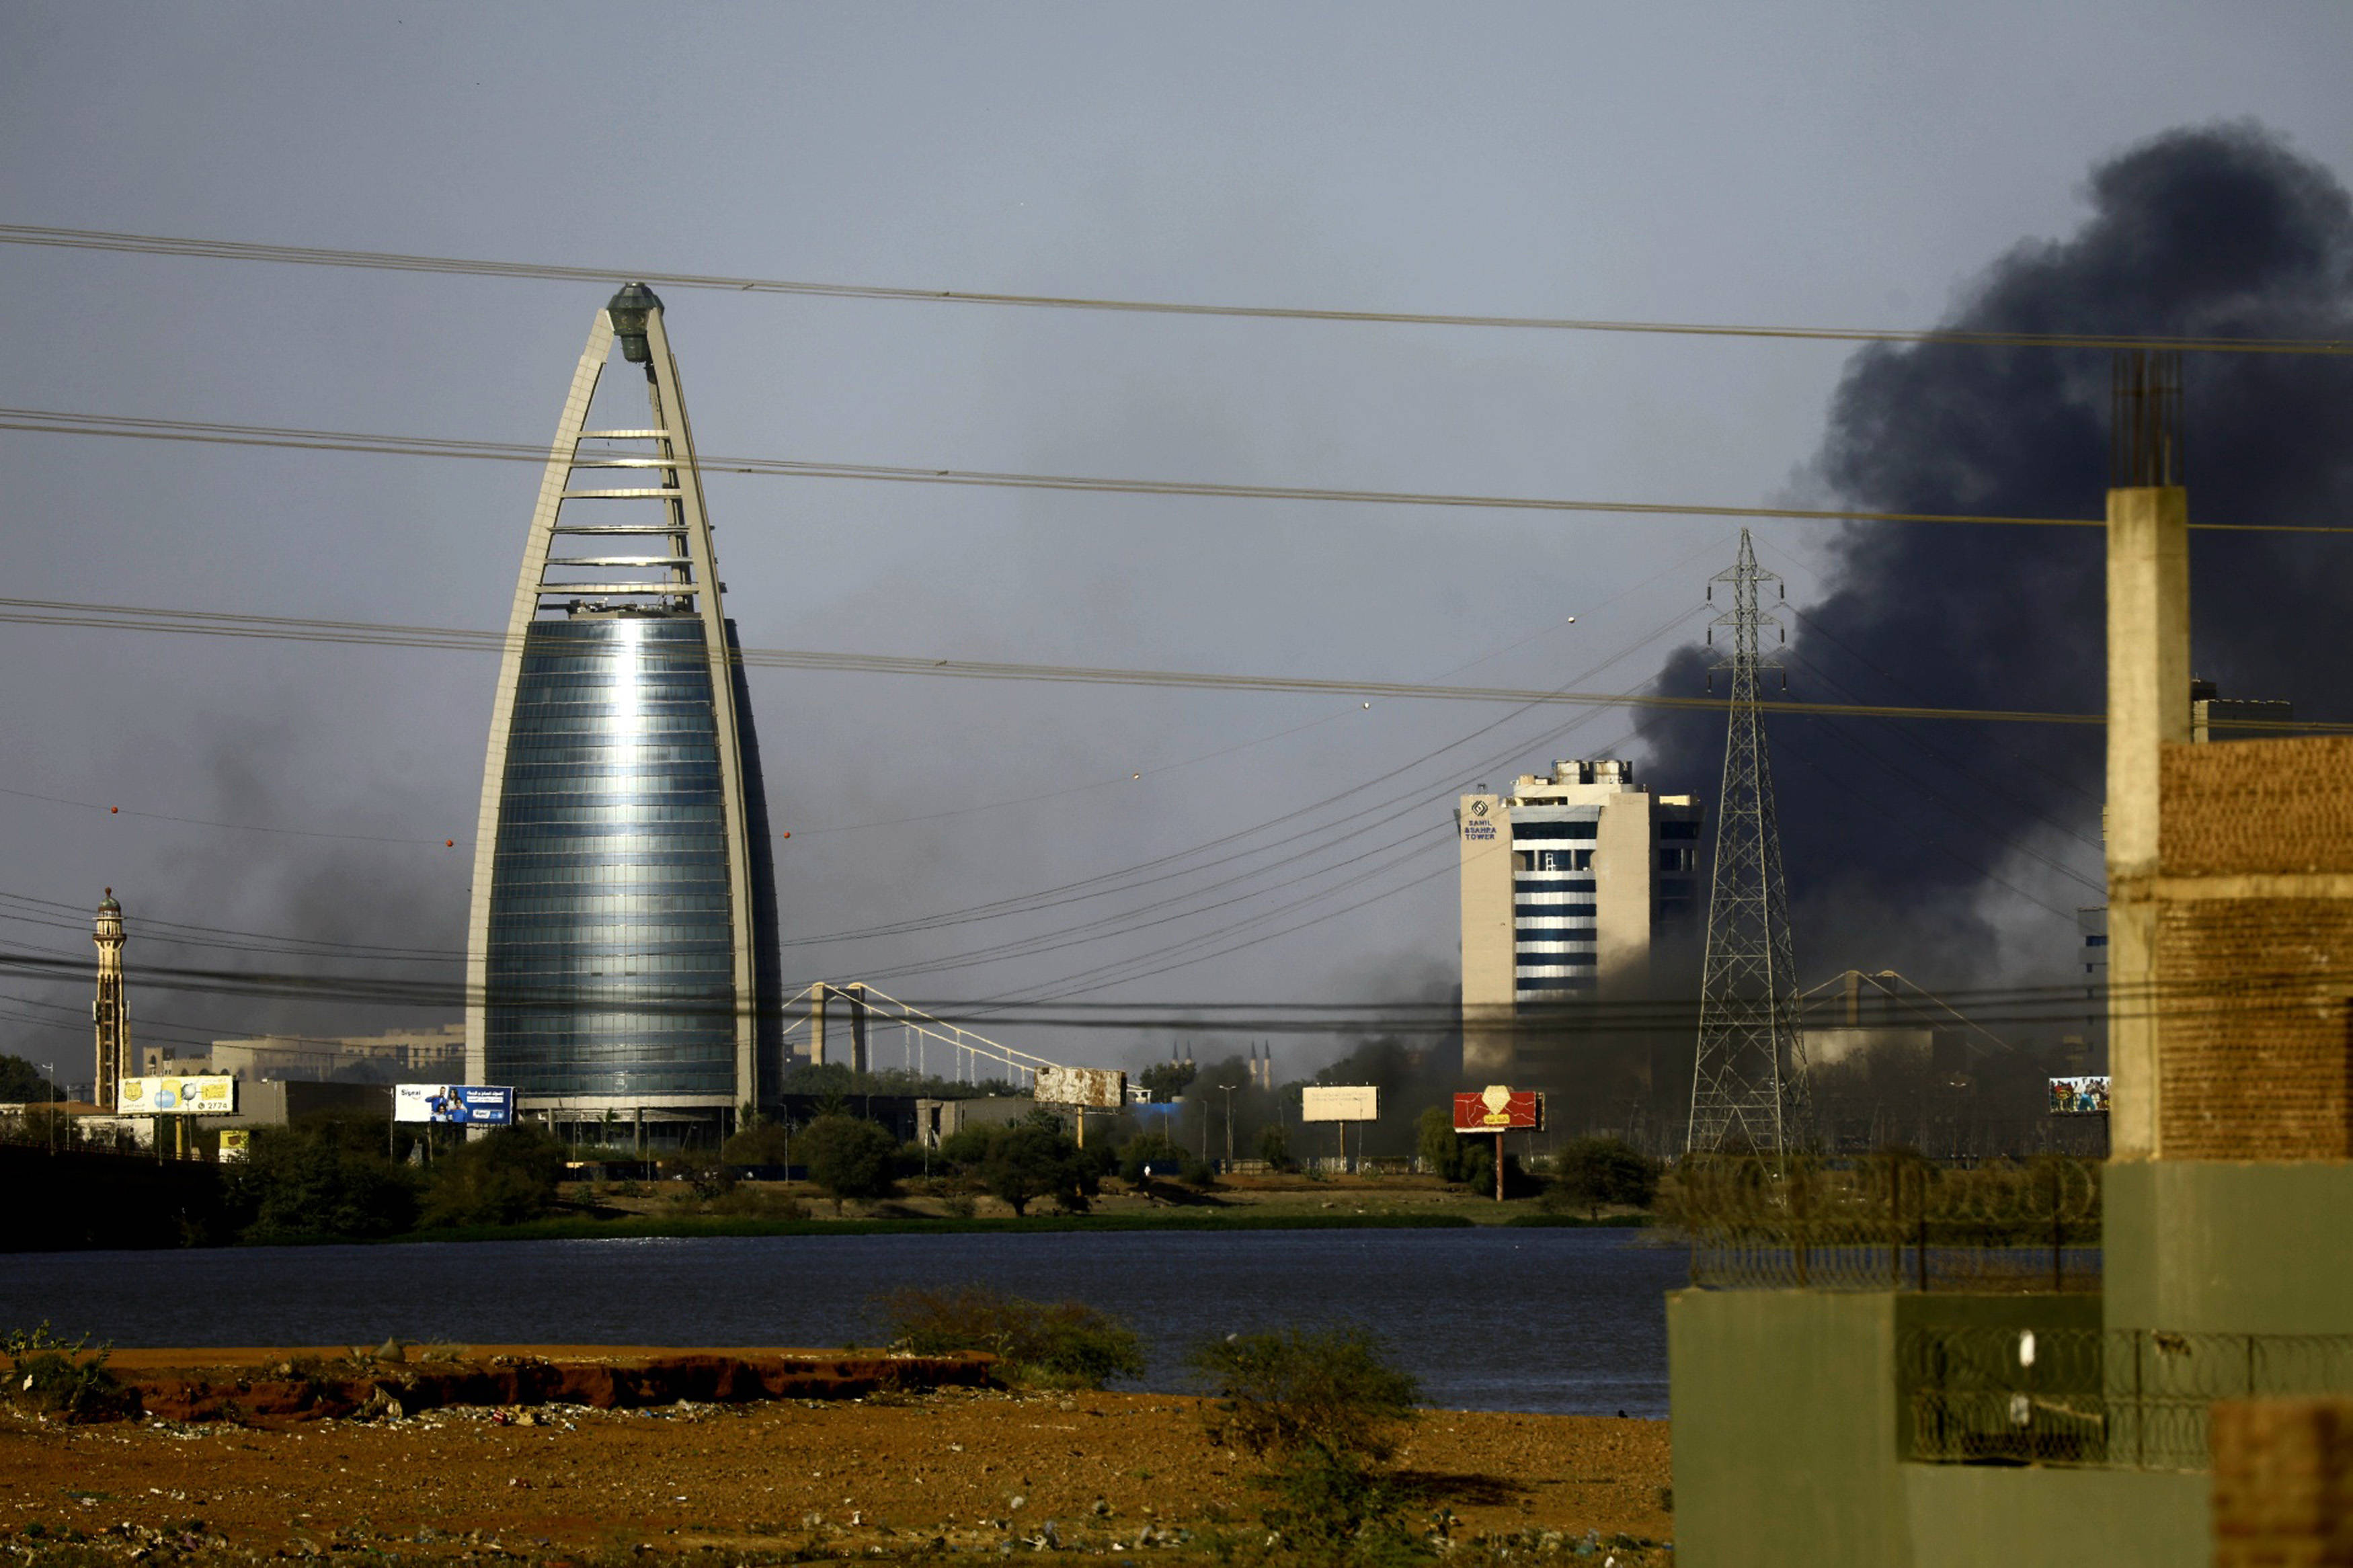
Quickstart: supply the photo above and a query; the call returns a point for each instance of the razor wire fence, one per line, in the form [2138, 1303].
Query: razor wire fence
[1887, 1222]
[2117, 1398]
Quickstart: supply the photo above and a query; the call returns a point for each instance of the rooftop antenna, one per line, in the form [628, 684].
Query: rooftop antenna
[1749, 1078]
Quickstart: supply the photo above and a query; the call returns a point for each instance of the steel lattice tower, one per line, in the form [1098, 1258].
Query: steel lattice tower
[1748, 1080]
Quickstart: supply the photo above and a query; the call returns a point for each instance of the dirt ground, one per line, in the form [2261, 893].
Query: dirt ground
[887, 1476]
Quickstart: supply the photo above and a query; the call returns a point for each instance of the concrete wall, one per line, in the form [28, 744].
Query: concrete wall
[1787, 1431]
[2230, 1248]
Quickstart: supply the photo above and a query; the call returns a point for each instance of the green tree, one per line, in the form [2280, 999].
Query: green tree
[1595, 1172]
[759, 1143]
[1034, 1159]
[320, 1182]
[21, 1082]
[1444, 1151]
[967, 1148]
[505, 1178]
[848, 1157]
[1274, 1145]
[1325, 1409]
[1165, 1080]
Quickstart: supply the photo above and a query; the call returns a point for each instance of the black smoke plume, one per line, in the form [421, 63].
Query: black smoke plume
[1896, 833]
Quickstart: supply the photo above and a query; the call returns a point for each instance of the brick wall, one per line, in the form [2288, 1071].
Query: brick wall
[2283, 1483]
[2257, 806]
[2254, 1035]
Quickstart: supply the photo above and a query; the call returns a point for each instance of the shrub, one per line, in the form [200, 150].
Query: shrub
[762, 1144]
[1592, 1172]
[320, 1182]
[1444, 1151]
[1323, 1409]
[1274, 1145]
[1156, 1150]
[1328, 1388]
[505, 1178]
[69, 1382]
[748, 1202]
[1057, 1344]
[847, 1157]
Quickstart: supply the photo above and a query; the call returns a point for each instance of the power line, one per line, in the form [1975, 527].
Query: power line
[131, 617]
[57, 422]
[395, 261]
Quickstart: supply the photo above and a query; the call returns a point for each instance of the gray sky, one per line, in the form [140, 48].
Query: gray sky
[1848, 165]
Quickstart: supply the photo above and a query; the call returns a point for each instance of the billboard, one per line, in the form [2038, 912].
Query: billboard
[213, 1094]
[2079, 1096]
[471, 1105]
[236, 1143]
[1340, 1102]
[1103, 1089]
[1496, 1108]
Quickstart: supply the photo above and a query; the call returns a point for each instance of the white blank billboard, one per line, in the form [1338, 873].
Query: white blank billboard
[1340, 1102]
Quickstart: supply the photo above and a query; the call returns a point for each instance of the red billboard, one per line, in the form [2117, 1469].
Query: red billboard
[1496, 1108]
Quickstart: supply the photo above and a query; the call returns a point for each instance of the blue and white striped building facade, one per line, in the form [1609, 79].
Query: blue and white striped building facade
[1566, 879]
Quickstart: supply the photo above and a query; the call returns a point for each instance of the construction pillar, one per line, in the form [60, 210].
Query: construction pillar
[816, 1023]
[856, 992]
[2148, 706]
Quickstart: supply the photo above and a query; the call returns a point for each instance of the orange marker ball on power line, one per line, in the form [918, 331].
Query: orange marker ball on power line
[114, 811]
[449, 844]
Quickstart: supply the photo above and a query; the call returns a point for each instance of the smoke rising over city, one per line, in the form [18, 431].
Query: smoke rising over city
[1915, 845]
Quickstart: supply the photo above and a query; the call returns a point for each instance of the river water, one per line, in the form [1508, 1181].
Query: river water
[1562, 1320]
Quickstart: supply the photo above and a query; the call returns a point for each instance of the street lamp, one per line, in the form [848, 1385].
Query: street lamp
[1229, 1123]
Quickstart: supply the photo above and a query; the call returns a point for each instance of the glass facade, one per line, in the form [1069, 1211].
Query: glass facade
[611, 941]
[1554, 912]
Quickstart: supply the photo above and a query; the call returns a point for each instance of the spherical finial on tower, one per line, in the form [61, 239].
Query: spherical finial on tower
[628, 310]
[107, 906]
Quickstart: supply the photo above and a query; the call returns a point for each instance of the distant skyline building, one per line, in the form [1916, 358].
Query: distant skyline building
[1568, 880]
[109, 1012]
[621, 950]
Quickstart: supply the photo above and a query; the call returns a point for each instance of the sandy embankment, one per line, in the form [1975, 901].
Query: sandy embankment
[894, 1470]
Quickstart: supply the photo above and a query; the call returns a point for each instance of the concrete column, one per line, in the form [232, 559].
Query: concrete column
[1623, 865]
[856, 992]
[2148, 705]
[816, 1023]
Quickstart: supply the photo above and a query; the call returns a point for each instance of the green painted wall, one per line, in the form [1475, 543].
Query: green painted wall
[1786, 1431]
[1985, 1515]
[2207, 1245]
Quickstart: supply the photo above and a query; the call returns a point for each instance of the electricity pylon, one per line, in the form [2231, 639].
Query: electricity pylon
[1748, 1080]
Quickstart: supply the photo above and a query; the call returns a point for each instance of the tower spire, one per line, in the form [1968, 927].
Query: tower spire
[111, 1012]
[1748, 1080]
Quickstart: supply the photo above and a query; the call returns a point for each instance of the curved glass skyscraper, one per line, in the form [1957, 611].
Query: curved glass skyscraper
[622, 949]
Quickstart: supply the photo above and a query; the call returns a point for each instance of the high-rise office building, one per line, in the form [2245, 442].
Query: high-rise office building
[621, 953]
[1567, 881]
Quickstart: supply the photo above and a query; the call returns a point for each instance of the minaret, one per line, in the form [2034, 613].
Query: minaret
[111, 1012]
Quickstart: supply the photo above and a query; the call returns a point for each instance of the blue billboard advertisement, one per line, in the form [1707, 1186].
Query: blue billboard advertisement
[471, 1105]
